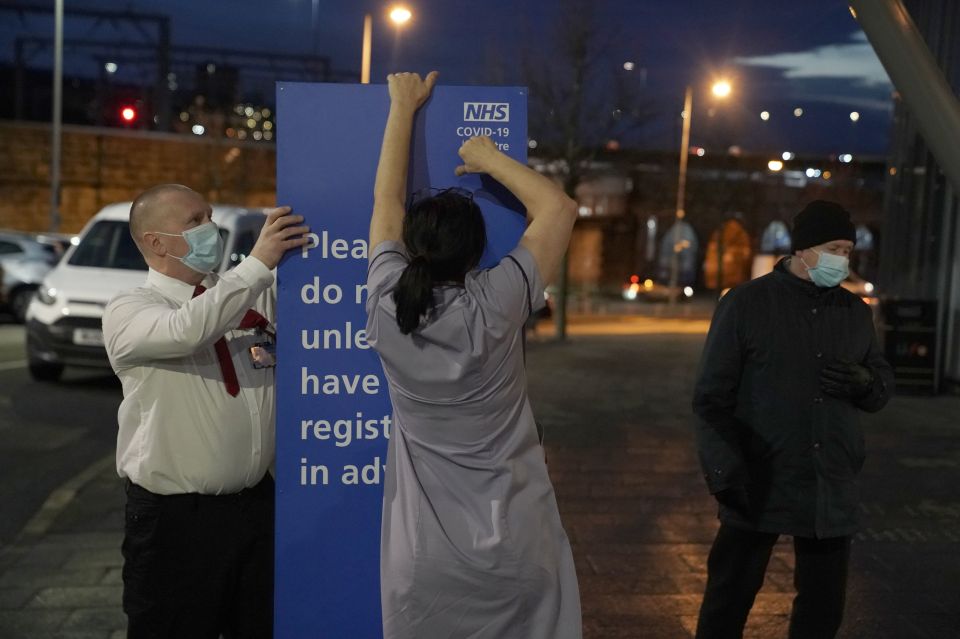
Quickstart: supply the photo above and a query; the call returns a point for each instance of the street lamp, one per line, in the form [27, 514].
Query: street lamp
[721, 89]
[399, 15]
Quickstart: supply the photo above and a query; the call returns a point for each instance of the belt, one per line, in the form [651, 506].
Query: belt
[263, 488]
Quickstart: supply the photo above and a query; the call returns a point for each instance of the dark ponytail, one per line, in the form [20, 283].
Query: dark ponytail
[413, 294]
[445, 237]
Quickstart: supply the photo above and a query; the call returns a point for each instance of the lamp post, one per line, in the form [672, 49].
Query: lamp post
[399, 15]
[57, 123]
[720, 89]
[314, 23]
[365, 55]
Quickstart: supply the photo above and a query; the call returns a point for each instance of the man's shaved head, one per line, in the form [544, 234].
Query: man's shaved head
[147, 211]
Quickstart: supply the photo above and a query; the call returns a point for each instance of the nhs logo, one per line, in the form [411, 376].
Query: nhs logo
[486, 112]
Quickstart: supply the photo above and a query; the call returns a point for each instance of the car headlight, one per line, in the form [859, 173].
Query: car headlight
[47, 294]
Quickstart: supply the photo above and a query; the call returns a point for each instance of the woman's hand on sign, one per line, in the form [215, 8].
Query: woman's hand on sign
[279, 235]
[479, 155]
[407, 89]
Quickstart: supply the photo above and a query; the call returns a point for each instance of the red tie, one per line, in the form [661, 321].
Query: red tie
[251, 319]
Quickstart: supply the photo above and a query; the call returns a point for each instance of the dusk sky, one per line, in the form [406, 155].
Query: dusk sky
[780, 56]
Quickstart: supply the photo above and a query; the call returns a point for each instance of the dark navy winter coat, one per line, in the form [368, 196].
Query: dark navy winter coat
[763, 421]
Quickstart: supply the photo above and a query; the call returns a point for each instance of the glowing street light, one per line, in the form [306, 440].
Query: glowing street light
[110, 67]
[854, 116]
[775, 165]
[400, 15]
[764, 115]
[722, 89]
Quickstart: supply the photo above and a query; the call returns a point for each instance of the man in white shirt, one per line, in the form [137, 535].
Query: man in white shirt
[196, 426]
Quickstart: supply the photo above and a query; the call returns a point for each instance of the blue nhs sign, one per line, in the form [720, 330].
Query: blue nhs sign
[332, 435]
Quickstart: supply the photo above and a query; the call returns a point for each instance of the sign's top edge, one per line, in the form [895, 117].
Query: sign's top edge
[281, 84]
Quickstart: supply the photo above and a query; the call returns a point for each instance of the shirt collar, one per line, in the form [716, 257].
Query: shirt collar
[175, 289]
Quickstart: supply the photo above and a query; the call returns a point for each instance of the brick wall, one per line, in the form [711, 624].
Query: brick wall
[101, 166]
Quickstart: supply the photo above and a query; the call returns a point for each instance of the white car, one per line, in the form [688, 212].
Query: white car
[64, 319]
[25, 259]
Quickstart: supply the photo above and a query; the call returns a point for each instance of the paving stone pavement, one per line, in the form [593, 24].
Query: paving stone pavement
[616, 410]
[65, 582]
[620, 451]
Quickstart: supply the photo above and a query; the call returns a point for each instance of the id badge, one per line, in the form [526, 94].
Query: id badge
[263, 355]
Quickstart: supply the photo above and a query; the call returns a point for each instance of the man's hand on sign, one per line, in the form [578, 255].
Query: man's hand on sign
[479, 155]
[408, 90]
[279, 235]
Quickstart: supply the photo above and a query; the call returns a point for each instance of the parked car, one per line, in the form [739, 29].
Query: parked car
[64, 320]
[650, 291]
[59, 242]
[25, 259]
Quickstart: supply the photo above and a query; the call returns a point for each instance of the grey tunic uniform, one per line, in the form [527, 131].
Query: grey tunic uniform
[472, 545]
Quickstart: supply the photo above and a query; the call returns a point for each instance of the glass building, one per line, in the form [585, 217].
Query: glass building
[921, 239]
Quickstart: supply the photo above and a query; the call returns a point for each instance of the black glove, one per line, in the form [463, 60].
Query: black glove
[736, 499]
[846, 380]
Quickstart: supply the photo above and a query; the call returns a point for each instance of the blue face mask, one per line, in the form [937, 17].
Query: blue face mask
[830, 269]
[206, 247]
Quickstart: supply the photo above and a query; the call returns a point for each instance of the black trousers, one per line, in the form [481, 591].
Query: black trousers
[199, 566]
[735, 572]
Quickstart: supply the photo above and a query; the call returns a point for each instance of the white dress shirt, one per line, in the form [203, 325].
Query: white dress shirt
[180, 431]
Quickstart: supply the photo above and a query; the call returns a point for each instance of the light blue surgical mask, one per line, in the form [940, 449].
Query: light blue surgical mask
[205, 247]
[830, 269]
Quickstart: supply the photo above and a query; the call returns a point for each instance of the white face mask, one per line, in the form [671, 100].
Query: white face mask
[205, 250]
[830, 269]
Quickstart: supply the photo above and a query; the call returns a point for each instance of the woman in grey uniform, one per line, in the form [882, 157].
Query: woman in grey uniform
[472, 545]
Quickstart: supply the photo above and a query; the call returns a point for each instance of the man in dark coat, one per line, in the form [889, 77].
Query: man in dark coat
[790, 361]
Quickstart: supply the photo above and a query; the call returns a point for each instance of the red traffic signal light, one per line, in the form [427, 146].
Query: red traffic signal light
[128, 114]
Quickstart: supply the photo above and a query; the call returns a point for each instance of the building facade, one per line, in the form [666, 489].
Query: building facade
[738, 214]
[921, 244]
